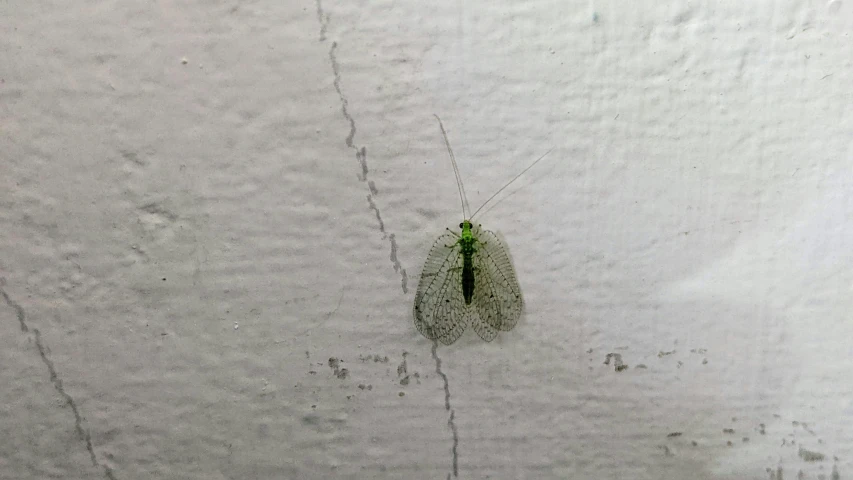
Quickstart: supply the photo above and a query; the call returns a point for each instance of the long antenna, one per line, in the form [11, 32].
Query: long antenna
[510, 182]
[462, 196]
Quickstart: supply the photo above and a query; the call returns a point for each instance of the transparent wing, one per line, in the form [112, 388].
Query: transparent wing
[497, 295]
[487, 322]
[440, 311]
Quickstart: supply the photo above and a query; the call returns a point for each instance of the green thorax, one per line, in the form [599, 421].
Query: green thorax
[466, 230]
[467, 239]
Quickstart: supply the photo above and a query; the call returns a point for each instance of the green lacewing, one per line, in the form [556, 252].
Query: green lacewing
[468, 277]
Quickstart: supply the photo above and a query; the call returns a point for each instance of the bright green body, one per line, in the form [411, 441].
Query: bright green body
[467, 248]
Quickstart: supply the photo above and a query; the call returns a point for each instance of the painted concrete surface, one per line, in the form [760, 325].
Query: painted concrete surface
[214, 216]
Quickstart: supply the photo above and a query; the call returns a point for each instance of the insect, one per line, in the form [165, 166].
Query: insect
[468, 277]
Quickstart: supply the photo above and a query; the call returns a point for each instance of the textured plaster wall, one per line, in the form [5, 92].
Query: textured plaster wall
[213, 216]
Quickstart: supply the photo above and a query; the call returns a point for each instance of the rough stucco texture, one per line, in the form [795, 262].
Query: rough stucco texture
[213, 216]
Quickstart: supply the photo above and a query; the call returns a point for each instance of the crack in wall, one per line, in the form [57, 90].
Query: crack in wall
[361, 158]
[453, 430]
[396, 262]
[451, 420]
[82, 432]
[19, 311]
[360, 153]
[323, 18]
[378, 216]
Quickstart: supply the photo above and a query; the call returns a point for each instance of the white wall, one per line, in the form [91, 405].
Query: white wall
[189, 232]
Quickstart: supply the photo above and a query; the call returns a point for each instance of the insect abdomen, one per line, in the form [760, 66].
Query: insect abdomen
[467, 278]
[467, 271]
